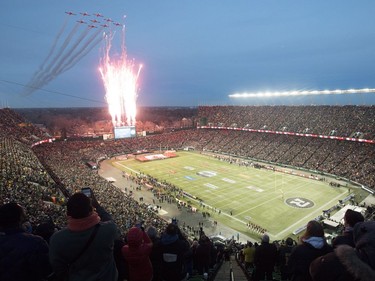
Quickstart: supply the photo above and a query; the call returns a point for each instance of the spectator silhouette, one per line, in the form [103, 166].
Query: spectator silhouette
[284, 255]
[45, 229]
[137, 255]
[350, 219]
[174, 248]
[265, 259]
[347, 263]
[154, 257]
[203, 254]
[249, 253]
[313, 245]
[23, 256]
[97, 261]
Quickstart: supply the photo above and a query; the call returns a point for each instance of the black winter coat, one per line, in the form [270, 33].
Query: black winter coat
[23, 256]
[301, 257]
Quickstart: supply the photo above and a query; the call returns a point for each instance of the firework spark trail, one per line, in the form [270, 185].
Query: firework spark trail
[120, 81]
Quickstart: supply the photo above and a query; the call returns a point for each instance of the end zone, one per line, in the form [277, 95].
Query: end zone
[155, 156]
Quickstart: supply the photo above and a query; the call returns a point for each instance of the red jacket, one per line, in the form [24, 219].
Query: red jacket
[137, 256]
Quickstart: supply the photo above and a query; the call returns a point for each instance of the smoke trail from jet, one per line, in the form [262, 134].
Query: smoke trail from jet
[64, 53]
[57, 39]
[37, 82]
[61, 58]
[80, 53]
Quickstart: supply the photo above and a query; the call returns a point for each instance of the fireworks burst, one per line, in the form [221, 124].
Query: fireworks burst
[120, 78]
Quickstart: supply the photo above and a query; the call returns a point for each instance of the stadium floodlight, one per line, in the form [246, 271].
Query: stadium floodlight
[302, 93]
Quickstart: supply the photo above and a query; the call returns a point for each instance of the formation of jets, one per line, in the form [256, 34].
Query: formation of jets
[94, 21]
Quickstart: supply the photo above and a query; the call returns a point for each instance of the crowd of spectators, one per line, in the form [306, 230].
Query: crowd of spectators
[13, 124]
[40, 178]
[346, 159]
[70, 167]
[341, 121]
[350, 256]
[23, 179]
[64, 162]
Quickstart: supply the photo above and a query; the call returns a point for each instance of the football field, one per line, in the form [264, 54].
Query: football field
[278, 202]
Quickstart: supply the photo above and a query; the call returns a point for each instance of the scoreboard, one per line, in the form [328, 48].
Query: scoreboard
[124, 132]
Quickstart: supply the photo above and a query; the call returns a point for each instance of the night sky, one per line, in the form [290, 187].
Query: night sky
[194, 52]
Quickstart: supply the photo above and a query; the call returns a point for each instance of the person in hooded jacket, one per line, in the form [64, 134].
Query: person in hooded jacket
[313, 244]
[137, 255]
[347, 263]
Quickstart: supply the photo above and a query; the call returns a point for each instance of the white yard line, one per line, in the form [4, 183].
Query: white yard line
[279, 185]
[130, 169]
[309, 215]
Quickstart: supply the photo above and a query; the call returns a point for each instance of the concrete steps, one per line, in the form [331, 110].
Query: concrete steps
[229, 268]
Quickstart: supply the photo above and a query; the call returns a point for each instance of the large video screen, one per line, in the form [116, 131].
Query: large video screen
[124, 132]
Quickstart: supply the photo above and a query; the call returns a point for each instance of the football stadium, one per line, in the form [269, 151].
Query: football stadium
[252, 182]
[187, 141]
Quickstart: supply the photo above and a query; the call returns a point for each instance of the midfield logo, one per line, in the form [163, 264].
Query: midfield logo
[299, 202]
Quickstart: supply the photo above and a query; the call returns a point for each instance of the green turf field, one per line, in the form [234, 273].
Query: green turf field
[278, 202]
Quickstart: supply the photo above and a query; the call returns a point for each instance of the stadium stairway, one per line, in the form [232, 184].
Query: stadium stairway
[230, 270]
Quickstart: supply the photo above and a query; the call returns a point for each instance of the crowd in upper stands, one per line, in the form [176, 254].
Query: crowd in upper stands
[13, 124]
[342, 121]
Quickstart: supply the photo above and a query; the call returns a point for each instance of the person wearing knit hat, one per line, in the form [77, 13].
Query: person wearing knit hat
[23, 256]
[137, 255]
[351, 218]
[86, 221]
